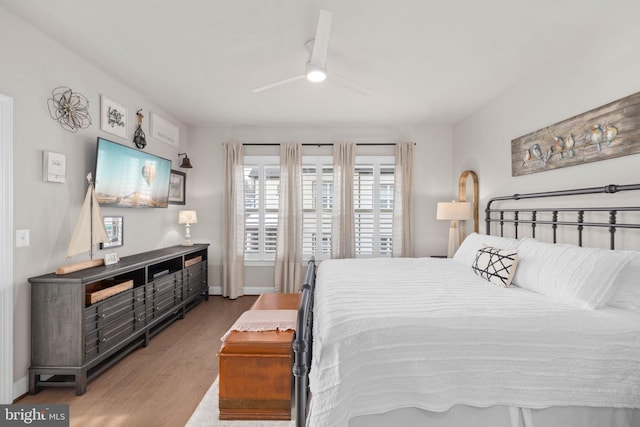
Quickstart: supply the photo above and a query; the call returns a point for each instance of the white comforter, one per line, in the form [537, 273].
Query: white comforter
[429, 333]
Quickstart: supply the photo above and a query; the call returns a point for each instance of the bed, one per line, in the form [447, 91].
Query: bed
[447, 342]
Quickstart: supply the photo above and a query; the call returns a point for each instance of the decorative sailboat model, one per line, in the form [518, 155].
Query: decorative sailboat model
[89, 230]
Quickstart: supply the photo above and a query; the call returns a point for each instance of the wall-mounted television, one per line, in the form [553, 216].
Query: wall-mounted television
[126, 177]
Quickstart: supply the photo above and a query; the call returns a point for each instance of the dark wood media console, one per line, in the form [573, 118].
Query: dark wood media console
[73, 340]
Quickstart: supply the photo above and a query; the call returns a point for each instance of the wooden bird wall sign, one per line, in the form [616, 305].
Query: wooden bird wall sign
[612, 130]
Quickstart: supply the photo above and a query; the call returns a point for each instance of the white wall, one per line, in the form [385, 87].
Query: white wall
[32, 66]
[432, 178]
[605, 67]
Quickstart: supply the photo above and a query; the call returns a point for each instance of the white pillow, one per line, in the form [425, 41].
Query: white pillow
[470, 246]
[627, 288]
[496, 265]
[568, 273]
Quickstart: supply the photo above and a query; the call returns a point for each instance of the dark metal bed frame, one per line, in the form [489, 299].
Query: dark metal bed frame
[302, 344]
[303, 341]
[579, 223]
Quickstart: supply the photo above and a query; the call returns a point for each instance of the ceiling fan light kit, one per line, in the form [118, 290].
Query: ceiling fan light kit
[315, 73]
[316, 67]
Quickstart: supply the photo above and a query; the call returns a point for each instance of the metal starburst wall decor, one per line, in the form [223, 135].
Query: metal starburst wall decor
[69, 108]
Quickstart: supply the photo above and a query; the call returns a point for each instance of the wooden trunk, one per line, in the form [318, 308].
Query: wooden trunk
[255, 368]
[255, 376]
[277, 301]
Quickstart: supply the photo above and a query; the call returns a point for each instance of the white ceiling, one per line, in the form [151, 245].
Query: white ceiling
[425, 60]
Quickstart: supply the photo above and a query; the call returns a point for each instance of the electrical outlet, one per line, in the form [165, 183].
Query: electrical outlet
[22, 238]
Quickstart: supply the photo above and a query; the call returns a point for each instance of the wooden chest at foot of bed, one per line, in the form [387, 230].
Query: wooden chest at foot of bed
[277, 301]
[255, 376]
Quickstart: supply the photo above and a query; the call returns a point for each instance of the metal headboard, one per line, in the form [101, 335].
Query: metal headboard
[529, 216]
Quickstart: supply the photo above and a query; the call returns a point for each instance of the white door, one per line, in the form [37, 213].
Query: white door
[6, 250]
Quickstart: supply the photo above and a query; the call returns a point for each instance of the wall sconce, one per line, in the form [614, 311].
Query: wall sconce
[187, 218]
[186, 163]
[453, 211]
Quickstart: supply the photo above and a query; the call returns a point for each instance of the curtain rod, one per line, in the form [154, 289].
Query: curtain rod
[321, 144]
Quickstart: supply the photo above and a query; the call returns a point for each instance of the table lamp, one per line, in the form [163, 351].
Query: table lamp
[453, 211]
[187, 218]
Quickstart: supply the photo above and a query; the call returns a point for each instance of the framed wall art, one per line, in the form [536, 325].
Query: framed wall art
[54, 167]
[177, 188]
[164, 131]
[113, 117]
[115, 231]
[602, 133]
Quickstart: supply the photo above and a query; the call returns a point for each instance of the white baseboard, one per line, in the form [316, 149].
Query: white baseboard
[217, 290]
[20, 387]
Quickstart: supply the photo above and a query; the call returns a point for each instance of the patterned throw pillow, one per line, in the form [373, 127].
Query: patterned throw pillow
[496, 265]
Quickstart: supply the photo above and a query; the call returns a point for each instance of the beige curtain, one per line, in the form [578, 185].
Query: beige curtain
[402, 235]
[288, 277]
[233, 222]
[343, 240]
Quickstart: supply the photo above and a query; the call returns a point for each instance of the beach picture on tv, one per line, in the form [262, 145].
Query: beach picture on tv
[130, 178]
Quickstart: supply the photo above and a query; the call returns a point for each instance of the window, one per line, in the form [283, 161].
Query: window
[261, 186]
[373, 206]
[317, 202]
[372, 200]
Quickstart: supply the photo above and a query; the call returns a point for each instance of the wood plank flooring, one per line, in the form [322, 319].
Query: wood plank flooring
[160, 385]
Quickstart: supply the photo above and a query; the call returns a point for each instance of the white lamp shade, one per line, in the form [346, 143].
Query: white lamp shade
[454, 211]
[187, 217]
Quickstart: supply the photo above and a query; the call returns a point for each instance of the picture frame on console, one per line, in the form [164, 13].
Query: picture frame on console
[111, 258]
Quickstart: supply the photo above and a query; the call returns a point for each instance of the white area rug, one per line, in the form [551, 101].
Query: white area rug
[206, 414]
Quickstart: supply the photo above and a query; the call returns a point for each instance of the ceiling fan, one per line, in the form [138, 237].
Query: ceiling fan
[316, 68]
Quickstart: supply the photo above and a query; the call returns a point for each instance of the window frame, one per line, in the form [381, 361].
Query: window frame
[319, 162]
[261, 255]
[378, 162]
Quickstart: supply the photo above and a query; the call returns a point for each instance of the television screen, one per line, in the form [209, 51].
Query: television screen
[130, 178]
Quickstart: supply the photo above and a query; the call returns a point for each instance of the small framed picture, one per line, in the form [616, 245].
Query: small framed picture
[115, 231]
[177, 188]
[113, 117]
[54, 167]
[111, 258]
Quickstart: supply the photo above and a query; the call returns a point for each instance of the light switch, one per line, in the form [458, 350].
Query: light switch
[22, 238]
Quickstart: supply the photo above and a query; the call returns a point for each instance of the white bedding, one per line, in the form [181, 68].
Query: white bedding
[429, 333]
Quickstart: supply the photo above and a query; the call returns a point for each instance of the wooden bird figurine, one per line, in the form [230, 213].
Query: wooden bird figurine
[559, 143]
[548, 155]
[570, 143]
[536, 151]
[597, 136]
[527, 157]
[611, 134]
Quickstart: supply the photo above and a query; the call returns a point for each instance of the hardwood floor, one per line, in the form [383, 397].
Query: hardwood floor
[160, 385]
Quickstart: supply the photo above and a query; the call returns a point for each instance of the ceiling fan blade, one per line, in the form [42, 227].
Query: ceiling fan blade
[279, 83]
[350, 83]
[321, 42]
